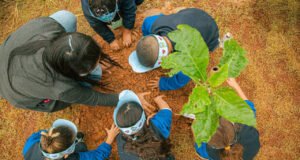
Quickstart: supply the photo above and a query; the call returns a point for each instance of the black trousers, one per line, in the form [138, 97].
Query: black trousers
[138, 2]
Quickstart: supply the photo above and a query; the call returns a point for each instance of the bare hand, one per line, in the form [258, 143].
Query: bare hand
[160, 102]
[127, 37]
[149, 109]
[112, 134]
[149, 117]
[154, 83]
[232, 83]
[114, 45]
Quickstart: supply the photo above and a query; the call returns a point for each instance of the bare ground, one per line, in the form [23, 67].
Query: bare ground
[268, 30]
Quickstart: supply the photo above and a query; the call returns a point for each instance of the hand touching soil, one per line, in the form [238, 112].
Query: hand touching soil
[162, 104]
[114, 45]
[112, 134]
[149, 108]
[154, 83]
[127, 40]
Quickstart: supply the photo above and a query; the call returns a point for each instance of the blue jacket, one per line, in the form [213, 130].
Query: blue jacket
[248, 137]
[163, 24]
[127, 12]
[32, 151]
[161, 126]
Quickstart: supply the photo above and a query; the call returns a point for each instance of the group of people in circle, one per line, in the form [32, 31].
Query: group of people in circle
[46, 66]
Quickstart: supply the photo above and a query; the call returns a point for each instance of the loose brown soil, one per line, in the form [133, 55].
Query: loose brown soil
[268, 30]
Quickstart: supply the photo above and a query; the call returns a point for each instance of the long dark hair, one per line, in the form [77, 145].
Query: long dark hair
[69, 54]
[144, 143]
[57, 139]
[225, 138]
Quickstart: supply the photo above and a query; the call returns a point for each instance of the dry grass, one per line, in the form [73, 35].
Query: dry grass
[268, 29]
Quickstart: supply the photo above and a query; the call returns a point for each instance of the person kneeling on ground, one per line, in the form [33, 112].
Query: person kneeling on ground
[63, 142]
[156, 44]
[103, 13]
[46, 66]
[232, 140]
[141, 137]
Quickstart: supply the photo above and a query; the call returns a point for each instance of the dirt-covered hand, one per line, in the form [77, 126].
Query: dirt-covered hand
[127, 39]
[112, 134]
[114, 45]
[149, 109]
[154, 83]
[160, 102]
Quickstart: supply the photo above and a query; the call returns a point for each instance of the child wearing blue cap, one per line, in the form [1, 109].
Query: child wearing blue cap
[232, 140]
[155, 44]
[101, 13]
[143, 137]
[63, 142]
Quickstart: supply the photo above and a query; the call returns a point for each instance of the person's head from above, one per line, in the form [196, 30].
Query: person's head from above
[75, 55]
[59, 141]
[225, 140]
[106, 10]
[149, 53]
[130, 118]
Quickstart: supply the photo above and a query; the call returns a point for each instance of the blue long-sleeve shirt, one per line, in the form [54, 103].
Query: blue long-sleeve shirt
[127, 12]
[31, 150]
[163, 24]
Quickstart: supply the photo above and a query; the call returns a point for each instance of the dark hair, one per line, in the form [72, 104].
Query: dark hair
[100, 7]
[57, 139]
[225, 138]
[146, 145]
[69, 54]
[147, 51]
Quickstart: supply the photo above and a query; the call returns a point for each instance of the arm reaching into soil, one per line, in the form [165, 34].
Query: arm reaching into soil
[104, 150]
[162, 104]
[81, 95]
[175, 82]
[232, 83]
[112, 134]
[162, 120]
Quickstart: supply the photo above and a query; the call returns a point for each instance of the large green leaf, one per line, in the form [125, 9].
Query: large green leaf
[191, 56]
[234, 56]
[198, 101]
[205, 124]
[218, 77]
[232, 107]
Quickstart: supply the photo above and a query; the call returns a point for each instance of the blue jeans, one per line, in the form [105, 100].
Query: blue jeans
[96, 75]
[67, 19]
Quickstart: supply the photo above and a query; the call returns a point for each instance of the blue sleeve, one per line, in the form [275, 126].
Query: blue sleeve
[172, 83]
[162, 121]
[251, 104]
[34, 138]
[201, 150]
[101, 153]
[147, 24]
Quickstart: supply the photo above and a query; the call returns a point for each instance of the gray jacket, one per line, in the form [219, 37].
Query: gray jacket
[30, 84]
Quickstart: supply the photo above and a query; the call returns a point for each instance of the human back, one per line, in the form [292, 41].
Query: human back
[193, 17]
[41, 73]
[43, 28]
